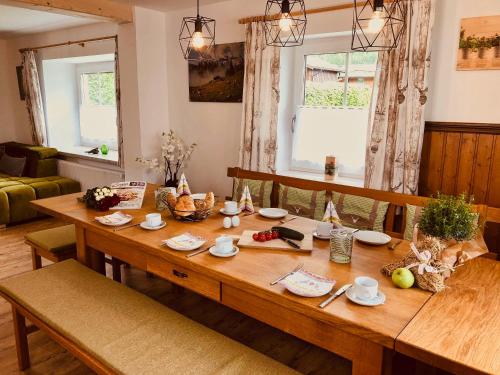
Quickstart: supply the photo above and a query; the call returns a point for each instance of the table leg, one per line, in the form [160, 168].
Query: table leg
[82, 251]
[369, 359]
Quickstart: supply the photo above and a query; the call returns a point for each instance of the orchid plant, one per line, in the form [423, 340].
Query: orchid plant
[174, 156]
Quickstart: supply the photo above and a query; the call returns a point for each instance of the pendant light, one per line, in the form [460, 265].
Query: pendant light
[197, 36]
[285, 23]
[378, 26]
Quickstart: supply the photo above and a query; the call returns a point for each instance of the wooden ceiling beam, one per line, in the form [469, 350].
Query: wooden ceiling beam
[97, 9]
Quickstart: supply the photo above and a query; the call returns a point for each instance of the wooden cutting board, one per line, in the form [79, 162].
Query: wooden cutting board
[246, 240]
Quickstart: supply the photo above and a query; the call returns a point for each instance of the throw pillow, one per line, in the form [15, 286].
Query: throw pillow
[300, 202]
[360, 212]
[12, 166]
[260, 190]
[412, 217]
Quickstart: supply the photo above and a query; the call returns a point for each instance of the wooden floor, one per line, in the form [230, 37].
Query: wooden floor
[47, 357]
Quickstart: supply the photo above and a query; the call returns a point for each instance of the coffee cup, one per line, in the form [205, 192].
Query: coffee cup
[153, 220]
[230, 207]
[224, 244]
[323, 229]
[365, 287]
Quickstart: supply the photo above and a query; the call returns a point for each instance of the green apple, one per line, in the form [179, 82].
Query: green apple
[403, 278]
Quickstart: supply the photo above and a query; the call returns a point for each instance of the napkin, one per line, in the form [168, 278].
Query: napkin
[183, 187]
[185, 241]
[117, 218]
[331, 215]
[246, 203]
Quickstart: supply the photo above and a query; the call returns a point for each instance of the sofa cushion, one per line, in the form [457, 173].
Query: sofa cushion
[67, 185]
[4, 208]
[11, 165]
[128, 331]
[305, 203]
[260, 190]
[56, 240]
[19, 197]
[45, 189]
[360, 212]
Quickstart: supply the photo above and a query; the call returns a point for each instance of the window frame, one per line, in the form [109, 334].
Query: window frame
[319, 46]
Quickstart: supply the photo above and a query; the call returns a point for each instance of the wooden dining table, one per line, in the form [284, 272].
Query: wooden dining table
[365, 335]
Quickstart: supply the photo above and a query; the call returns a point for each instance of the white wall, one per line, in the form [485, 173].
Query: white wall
[7, 128]
[462, 96]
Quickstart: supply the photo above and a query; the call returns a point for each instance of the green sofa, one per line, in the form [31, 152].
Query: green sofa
[39, 181]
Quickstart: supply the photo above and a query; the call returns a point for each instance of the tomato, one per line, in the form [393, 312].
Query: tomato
[255, 236]
[262, 237]
[269, 236]
[274, 234]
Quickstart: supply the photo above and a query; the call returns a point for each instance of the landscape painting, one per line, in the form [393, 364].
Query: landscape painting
[220, 79]
[479, 43]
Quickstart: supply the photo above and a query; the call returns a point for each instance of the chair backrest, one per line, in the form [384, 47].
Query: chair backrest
[397, 201]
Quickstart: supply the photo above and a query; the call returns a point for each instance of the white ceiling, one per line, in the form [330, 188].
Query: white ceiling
[18, 21]
[166, 5]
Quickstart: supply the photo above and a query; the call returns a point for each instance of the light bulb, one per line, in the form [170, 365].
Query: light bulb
[285, 23]
[376, 22]
[198, 41]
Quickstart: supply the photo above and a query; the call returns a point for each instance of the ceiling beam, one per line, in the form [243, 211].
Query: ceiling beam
[97, 9]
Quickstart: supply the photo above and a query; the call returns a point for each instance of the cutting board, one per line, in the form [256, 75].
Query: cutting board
[246, 240]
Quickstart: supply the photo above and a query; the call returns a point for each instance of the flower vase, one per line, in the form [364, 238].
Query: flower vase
[172, 182]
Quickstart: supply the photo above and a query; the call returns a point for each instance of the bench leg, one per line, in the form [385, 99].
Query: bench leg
[20, 332]
[116, 267]
[36, 259]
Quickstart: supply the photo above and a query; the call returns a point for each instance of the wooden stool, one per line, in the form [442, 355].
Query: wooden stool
[59, 244]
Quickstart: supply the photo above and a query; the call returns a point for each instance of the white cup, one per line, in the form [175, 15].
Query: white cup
[153, 220]
[224, 244]
[323, 229]
[365, 287]
[230, 207]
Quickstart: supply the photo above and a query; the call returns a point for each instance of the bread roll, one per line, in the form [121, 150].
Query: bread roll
[171, 199]
[210, 200]
[185, 203]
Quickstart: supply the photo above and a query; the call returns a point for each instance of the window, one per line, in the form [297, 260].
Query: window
[80, 102]
[332, 115]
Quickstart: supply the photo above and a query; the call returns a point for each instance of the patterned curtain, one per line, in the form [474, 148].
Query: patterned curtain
[34, 102]
[260, 102]
[119, 126]
[397, 128]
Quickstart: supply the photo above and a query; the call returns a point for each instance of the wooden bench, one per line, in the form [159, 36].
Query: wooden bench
[394, 223]
[114, 329]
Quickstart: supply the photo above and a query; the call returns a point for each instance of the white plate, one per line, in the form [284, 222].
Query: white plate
[235, 251]
[223, 212]
[378, 300]
[144, 225]
[273, 213]
[307, 284]
[371, 237]
[185, 242]
[319, 237]
[115, 220]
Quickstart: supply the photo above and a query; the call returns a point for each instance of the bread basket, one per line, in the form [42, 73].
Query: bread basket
[189, 216]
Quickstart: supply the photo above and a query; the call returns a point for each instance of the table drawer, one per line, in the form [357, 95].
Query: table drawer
[189, 279]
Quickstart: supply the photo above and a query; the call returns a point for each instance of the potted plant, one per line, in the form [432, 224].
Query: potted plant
[463, 45]
[449, 218]
[483, 45]
[495, 43]
[173, 158]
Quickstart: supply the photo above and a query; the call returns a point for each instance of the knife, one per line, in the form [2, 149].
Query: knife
[339, 292]
[291, 243]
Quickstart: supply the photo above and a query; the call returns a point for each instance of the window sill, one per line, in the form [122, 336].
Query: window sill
[78, 152]
[356, 182]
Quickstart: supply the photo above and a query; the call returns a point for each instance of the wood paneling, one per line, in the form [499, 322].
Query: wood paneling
[463, 158]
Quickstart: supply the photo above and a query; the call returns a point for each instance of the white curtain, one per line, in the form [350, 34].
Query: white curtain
[34, 102]
[395, 142]
[260, 102]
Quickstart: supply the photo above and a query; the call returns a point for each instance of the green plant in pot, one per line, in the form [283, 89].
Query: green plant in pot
[449, 218]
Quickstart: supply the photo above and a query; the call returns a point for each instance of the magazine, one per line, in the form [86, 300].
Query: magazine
[131, 194]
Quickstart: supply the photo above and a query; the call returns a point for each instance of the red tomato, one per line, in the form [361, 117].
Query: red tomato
[269, 236]
[275, 234]
[255, 236]
[262, 237]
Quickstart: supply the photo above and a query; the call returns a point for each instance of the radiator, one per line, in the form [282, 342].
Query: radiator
[89, 176]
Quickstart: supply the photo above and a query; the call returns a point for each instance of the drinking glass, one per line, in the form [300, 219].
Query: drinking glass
[341, 245]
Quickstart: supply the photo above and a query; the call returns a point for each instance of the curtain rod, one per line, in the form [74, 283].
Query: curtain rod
[332, 8]
[68, 43]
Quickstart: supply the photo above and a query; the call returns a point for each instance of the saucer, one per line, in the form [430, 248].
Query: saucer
[223, 212]
[144, 225]
[378, 300]
[320, 237]
[273, 213]
[235, 251]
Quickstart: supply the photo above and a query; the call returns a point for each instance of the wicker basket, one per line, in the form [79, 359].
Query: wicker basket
[189, 216]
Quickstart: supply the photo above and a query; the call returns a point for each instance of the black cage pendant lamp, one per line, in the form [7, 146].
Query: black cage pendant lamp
[285, 23]
[378, 26]
[197, 36]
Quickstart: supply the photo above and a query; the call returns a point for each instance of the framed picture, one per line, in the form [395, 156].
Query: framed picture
[20, 82]
[479, 43]
[219, 80]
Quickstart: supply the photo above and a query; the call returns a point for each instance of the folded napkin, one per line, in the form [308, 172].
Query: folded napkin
[117, 218]
[246, 203]
[331, 215]
[183, 187]
[186, 241]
